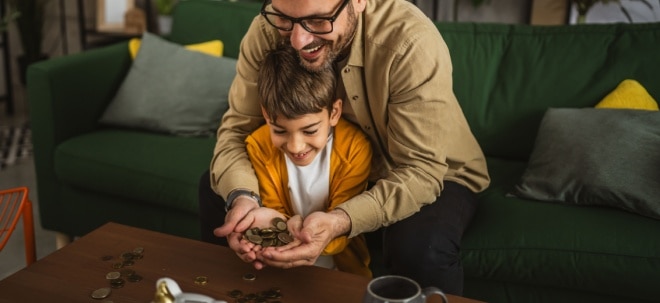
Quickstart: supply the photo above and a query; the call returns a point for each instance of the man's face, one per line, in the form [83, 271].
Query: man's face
[319, 51]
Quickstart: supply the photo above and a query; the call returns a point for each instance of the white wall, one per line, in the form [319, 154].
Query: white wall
[496, 11]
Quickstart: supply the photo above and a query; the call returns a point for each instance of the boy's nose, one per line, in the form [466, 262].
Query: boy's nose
[296, 144]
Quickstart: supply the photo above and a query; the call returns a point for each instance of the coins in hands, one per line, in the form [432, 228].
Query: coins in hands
[276, 235]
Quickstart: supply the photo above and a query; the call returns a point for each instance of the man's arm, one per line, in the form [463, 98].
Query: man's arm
[230, 165]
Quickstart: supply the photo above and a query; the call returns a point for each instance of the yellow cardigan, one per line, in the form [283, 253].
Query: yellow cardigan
[350, 163]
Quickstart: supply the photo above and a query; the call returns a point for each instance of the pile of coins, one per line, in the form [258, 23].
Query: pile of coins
[277, 235]
[118, 278]
[267, 296]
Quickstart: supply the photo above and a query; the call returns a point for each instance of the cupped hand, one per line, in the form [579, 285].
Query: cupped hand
[312, 235]
[241, 206]
[246, 250]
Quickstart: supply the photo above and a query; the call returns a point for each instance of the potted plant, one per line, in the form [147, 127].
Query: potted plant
[164, 9]
[30, 23]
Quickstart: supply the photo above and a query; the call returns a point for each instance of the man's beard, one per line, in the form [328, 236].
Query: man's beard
[341, 47]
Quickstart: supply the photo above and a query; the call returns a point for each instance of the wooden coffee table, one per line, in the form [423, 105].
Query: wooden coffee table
[72, 273]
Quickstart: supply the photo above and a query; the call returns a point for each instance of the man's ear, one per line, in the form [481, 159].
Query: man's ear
[335, 113]
[359, 5]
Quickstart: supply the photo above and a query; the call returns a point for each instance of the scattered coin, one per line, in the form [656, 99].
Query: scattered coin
[117, 283]
[235, 293]
[249, 277]
[201, 280]
[127, 272]
[134, 278]
[101, 293]
[115, 277]
[267, 296]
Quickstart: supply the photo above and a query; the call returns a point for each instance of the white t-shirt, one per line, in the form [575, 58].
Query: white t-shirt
[309, 188]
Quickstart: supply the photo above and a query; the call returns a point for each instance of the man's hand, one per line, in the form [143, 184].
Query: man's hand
[313, 235]
[260, 217]
[241, 206]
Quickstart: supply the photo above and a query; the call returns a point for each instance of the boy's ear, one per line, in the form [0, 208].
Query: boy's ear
[265, 114]
[335, 113]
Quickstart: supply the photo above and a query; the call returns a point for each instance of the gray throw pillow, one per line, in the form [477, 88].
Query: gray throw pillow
[173, 90]
[607, 157]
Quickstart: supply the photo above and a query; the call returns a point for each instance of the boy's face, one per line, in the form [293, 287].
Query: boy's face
[302, 138]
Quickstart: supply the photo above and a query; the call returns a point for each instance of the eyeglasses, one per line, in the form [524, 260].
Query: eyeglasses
[314, 25]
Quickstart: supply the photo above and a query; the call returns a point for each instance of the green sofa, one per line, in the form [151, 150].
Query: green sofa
[505, 77]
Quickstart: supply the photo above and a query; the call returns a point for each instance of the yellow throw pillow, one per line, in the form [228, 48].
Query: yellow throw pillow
[212, 48]
[629, 94]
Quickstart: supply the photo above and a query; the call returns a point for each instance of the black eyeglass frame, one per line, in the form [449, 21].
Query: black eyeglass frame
[300, 20]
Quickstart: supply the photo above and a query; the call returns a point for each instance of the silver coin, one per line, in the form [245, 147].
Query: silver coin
[101, 293]
[249, 277]
[112, 275]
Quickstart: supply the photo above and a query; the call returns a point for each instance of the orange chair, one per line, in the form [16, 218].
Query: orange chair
[15, 203]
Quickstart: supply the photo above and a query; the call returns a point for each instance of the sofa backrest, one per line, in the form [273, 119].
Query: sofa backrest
[196, 21]
[506, 76]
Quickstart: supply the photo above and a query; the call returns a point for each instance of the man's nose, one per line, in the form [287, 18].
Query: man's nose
[300, 37]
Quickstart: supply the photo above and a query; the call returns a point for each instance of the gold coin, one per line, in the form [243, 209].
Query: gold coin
[201, 280]
[255, 239]
[235, 293]
[134, 278]
[128, 256]
[286, 238]
[281, 226]
[101, 293]
[117, 283]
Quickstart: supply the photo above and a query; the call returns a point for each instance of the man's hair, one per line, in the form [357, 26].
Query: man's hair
[288, 89]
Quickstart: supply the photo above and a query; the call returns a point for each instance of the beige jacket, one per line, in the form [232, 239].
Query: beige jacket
[398, 79]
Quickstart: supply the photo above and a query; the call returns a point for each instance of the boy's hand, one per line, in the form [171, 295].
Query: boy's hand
[260, 217]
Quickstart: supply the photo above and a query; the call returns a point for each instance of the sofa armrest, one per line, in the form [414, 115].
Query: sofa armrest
[67, 95]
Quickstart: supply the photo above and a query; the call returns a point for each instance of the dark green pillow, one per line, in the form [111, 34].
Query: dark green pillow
[172, 90]
[607, 157]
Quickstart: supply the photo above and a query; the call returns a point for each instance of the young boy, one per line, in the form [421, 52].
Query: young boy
[306, 157]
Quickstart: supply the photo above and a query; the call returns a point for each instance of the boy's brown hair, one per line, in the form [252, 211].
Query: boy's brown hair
[288, 89]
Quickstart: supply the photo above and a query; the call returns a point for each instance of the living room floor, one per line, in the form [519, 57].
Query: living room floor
[20, 172]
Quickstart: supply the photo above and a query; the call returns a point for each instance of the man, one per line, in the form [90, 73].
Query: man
[395, 72]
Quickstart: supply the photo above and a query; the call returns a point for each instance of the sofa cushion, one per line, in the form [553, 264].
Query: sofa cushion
[156, 169]
[629, 94]
[561, 246]
[172, 90]
[608, 157]
[213, 48]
